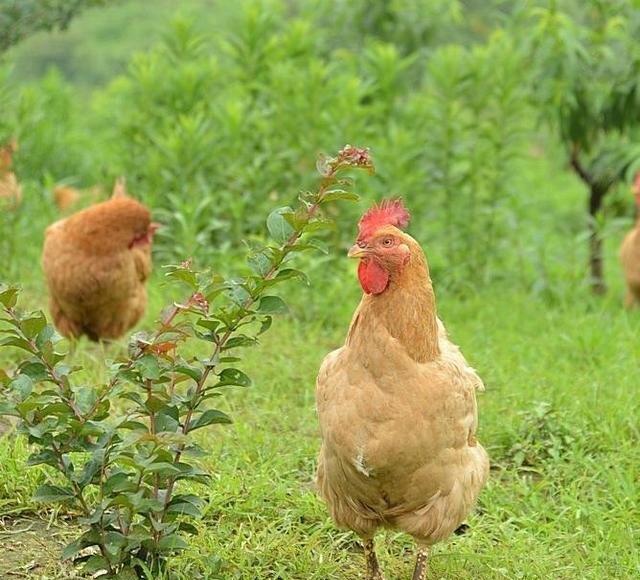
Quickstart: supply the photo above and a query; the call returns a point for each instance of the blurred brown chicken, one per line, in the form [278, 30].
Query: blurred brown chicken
[96, 263]
[630, 255]
[68, 198]
[10, 189]
[396, 403]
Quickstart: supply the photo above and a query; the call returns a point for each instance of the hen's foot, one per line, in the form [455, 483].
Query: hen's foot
[420, 571]
[373, 569]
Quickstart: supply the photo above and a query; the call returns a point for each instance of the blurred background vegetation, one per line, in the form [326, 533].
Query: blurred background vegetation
[475, 112]
[509, 127]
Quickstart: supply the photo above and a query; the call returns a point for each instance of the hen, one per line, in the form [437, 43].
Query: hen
[10, 188]
[68, 198]
[396, 403]
[630, 255]
[96, 263]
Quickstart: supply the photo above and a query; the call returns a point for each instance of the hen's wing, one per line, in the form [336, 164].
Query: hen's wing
[399, 440]
[102, 296]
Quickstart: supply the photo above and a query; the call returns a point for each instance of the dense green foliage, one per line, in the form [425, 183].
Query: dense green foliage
[21, 18]
[474, 113]
[586, 67]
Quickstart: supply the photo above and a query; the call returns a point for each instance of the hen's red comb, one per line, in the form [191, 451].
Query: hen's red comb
[636, 181]
[390, 212]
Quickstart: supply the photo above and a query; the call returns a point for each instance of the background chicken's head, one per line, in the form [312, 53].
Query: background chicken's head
[116, 224]
[382, 247]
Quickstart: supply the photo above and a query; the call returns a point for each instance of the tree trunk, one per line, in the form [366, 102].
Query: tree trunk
[598, 286]
[597, 191]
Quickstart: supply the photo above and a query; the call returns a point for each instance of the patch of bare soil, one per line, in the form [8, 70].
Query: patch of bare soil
[6, 424]
[31, 548]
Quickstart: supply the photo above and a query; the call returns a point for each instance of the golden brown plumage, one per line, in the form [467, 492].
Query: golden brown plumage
[10, 188]
[396, 404]
[630, 256]
[69, 198]
[96, 263]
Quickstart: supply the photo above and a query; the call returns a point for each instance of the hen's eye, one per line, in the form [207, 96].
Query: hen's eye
[387, 242]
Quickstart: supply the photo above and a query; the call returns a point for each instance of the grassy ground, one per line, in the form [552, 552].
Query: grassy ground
[559, 419]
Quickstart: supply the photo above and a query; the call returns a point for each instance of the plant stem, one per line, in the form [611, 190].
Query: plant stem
[326, 182]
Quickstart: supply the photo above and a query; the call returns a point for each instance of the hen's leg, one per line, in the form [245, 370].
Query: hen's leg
[420, 571]
[373, 569]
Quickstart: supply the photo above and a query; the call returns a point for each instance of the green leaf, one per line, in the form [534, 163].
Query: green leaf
[172, 542]
[209, 417]
[272, 305]
[154, 404]
[278, 227]
[37, 371]
[162, 468]
[314, 244]
[45, 457]
[185, 508]
[264, 326]
[91, 467]
[211, 325]
[319, 225]
[114, 542]
[148, 367]
[8, 296]
[188, 528]
[288, 273]
[118, 483]
[183, 275]
[53, 493]
[336, 194]
[17, 342]
[23, 385]
[47, 335]
[90, 538]
[134, 426]
[232, 376]
[191, 371]
[259, 263]
[96, 564]
[238, 341]
[85, 398]
[167, 419]
[34, 324]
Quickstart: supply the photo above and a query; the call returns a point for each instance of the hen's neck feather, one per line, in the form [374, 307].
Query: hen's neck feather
[406, 309]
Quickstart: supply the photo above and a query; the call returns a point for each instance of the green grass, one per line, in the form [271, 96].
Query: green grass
[560, 502]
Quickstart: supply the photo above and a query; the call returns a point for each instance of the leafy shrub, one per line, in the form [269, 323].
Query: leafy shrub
[473, 124]
[543, 436]
[123, 450]
[209, 130]
[54, 144]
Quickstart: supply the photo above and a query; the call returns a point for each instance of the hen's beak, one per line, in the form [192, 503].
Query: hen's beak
[357, 252]
[153, 227]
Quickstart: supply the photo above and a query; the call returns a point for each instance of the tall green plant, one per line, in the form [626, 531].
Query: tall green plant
[123, 450]
[473, 121]
[586, 66]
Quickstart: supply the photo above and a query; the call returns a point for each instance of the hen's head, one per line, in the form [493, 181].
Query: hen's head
[113, 225]
[383, 249]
